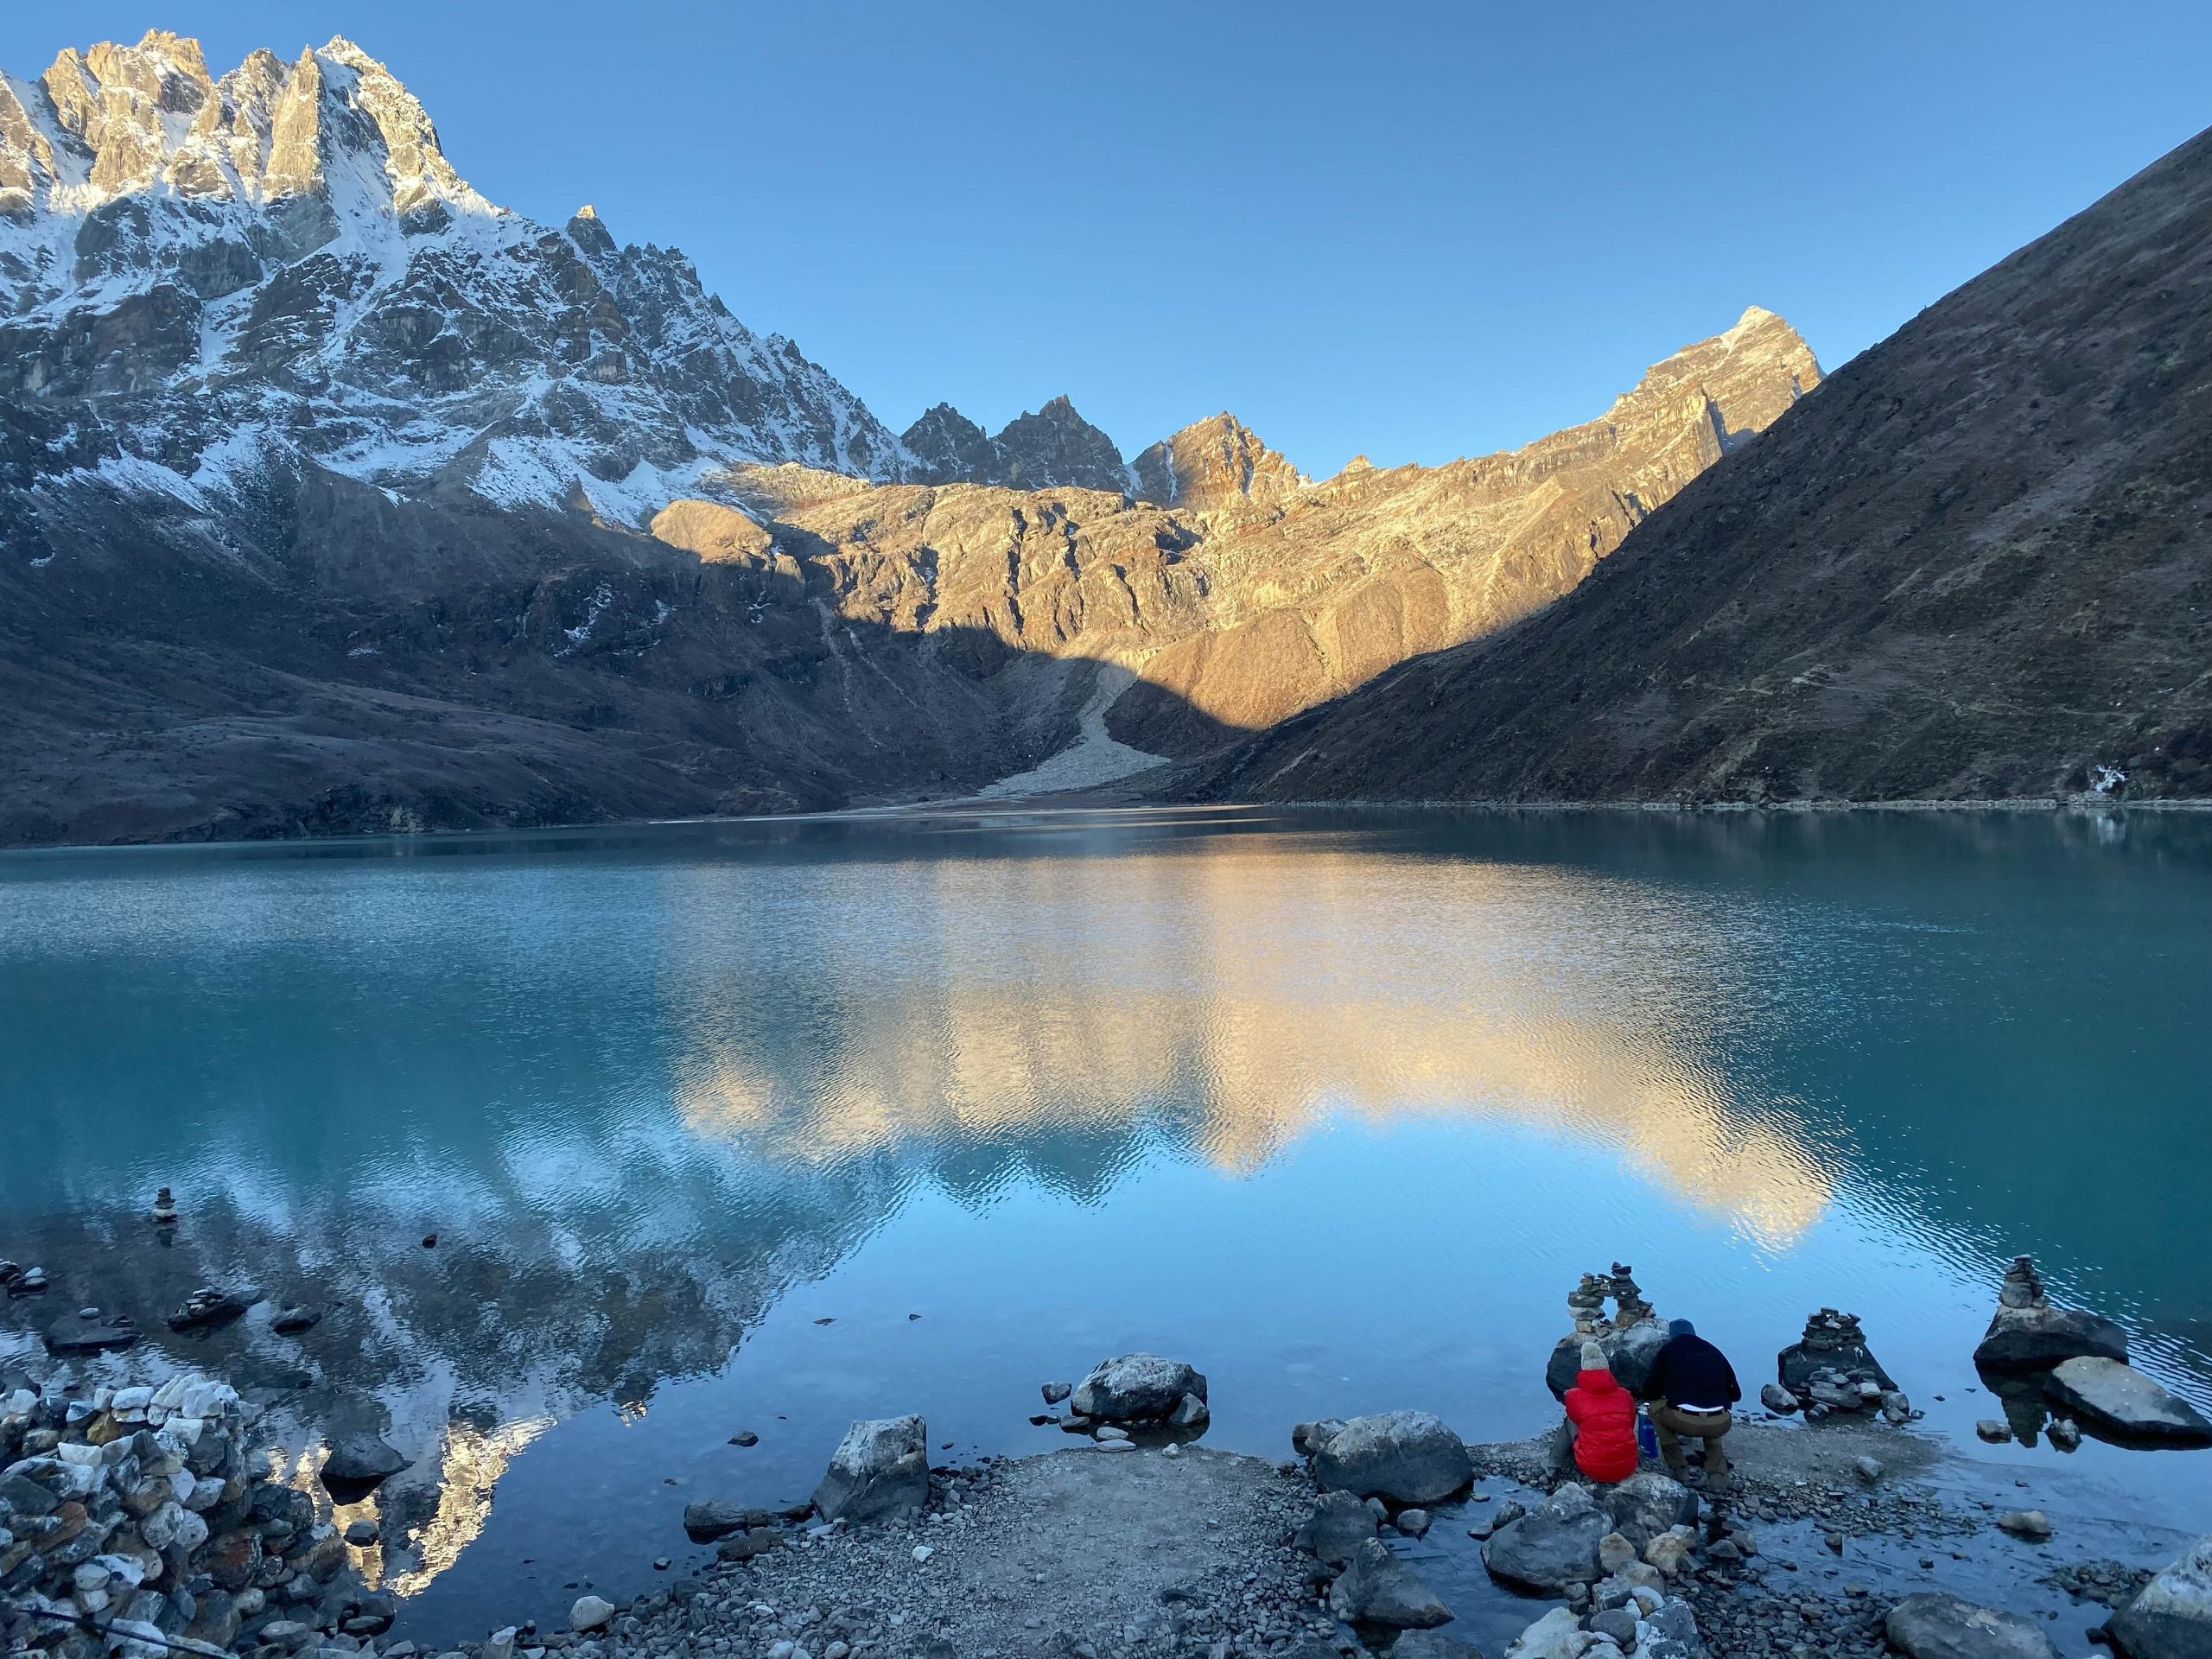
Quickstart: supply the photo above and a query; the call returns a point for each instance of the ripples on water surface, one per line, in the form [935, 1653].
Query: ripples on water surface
[1337, 1106]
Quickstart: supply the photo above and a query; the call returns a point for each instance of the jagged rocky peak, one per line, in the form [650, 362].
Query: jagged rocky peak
[1219, 463]
[1056, 446]
[115, 121]
[947, 447]
[586, 230]
[288, 259]
[1747, 375]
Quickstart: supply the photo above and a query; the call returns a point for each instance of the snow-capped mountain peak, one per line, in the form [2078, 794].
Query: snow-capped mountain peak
[283, 263]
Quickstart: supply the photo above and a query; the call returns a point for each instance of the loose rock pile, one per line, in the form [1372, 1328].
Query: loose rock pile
[19, 1281]
[134, 1511]
[1830, 1369]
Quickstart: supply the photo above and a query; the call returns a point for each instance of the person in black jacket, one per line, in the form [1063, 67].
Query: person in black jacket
[1691, 1389]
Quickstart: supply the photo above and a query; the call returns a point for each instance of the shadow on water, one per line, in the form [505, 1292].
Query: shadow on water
[1340, 1103]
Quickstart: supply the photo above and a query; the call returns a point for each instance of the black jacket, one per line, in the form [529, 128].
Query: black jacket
[1691, 1371]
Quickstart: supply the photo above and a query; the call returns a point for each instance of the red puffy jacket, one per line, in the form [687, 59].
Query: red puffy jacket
[1605, 1448]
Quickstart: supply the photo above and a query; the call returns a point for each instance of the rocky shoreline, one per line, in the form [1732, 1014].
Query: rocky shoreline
[141, 1521]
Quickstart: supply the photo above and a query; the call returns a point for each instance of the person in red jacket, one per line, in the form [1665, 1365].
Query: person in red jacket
[1601, 1416]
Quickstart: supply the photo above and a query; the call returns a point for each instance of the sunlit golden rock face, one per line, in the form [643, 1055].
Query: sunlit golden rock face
[1238, 591]
[1235, 1004]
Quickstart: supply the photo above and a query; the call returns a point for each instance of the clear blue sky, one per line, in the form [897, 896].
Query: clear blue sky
[1415, 231]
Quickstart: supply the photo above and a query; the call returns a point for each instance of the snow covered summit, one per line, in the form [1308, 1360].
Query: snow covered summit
[281, 265]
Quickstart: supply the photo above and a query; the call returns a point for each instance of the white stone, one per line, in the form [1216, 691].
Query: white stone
[1557, 1635]
[590, 1613]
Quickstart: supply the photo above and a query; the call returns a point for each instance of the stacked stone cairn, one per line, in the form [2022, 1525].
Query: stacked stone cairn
[19, 1281]
[1830, 1371]
[131, 1524]
[2028, 1334]
[1631, 1337]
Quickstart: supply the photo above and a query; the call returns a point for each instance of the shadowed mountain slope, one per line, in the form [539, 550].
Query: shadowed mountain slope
[1978, 565]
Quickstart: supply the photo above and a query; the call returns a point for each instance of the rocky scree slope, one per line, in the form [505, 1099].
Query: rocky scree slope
[1978, 565]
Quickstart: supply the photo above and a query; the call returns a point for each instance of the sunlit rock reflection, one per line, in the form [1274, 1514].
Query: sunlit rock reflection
[469, 1468]
[1228, 1007]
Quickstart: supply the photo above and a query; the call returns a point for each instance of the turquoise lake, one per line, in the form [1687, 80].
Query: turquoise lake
[769, 1126]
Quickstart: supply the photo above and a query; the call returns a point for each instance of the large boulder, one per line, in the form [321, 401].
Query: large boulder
[2120, 1402]
[1935, 1625]
[2029, 1334]
[2031, 1339]
[1629, 1353]
[881, 1467]
[1555, 1545]
[1648, 1503]
[1340, 1523]
[1378, 1588]
[1137, 1389]
[358, 1462]
[1403, 1457]
[2172, 1616]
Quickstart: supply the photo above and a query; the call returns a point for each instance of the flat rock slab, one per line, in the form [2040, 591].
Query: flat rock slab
[2119, 1401]
[1086, 1544]
[1937, 1625]
[75, 1335]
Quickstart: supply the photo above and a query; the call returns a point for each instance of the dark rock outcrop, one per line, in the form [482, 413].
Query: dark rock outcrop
[1056, 446]
[2027, 1333]
[950, 449]
[1339, 1524]
[1378, 1588]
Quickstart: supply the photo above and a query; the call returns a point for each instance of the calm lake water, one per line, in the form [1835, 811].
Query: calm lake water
[771, 1126]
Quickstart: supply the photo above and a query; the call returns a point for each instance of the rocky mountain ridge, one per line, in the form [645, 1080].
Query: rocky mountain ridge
[1252, 593]
[1978, 566]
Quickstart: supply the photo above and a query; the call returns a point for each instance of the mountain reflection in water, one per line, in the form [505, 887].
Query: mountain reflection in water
[1339, 1106]
[1225, 1006]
